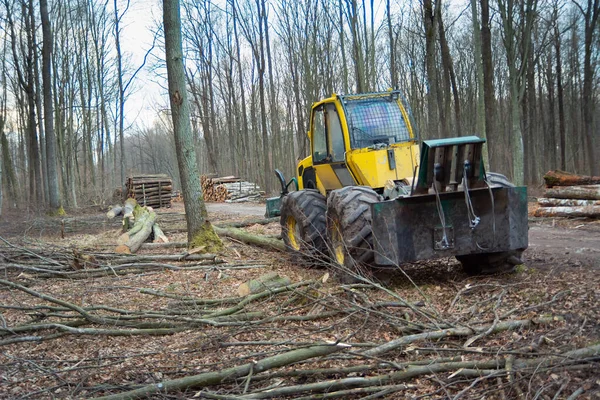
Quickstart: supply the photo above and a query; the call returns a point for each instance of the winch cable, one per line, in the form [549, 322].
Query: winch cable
[489, 187]
[443, 244]
[473, 218]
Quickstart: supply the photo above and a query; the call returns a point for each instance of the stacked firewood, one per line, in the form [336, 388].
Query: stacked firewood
[150, 190]
[570, 195]
[229, 189]
[213, 191]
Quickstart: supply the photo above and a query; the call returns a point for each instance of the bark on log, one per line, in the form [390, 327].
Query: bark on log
[589, 192]
[213, 378]
[562, 178]
[129, 207]
[116, 210]
[261, 241]
[135, 241]
[159, 236]
[547, 202]
[264, 282]
[261, 221]
[585, 211]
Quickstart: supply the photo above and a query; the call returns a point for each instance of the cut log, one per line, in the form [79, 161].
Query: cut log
[546, 202]
[159, 236]
[586, 211]
[589, 192]
[265, 282]
[116, 210]
[135, 241]
[248, 238]
[129, 207]
[562, 178]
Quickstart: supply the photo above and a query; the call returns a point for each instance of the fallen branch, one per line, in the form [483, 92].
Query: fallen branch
[213, 378]
[502, 326]
[243, 236]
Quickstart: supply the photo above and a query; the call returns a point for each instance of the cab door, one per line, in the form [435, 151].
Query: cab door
[329, 149]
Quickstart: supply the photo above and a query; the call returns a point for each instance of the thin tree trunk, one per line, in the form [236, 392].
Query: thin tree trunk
[488, 84]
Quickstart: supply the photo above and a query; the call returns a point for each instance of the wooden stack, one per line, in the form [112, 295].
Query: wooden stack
[212, 191]
[570, 195]
[150, 190]
[229, 189]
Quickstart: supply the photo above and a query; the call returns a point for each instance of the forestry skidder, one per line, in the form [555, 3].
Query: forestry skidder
[369, 196]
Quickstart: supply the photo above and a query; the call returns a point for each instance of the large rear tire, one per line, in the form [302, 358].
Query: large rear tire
[303, 225]
[349, 229]
[492, 263]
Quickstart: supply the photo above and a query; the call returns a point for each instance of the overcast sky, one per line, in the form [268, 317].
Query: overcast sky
[138, 25]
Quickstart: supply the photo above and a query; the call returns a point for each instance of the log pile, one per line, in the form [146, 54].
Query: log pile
[150, 190]
[570, 195]
[229, 189]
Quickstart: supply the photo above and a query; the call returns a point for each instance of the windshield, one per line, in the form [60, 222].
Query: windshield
[375, 120]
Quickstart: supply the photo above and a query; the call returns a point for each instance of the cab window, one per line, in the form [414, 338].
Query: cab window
[336, 136]
[319, 136]
[328, 137]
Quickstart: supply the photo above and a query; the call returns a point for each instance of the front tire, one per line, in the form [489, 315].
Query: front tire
[492, 263]
[349, 229]
[303, 225]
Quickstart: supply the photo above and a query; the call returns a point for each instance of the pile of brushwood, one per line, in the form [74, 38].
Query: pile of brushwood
[82, 323]
[570, 195]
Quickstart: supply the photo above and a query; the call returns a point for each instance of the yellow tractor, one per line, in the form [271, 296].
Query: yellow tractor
[372, 194]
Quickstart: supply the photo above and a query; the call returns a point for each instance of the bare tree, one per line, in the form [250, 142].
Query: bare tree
[200, 230]
[53, 193]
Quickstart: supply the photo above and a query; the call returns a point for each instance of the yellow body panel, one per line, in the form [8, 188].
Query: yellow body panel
[372, 167]
[367, 166]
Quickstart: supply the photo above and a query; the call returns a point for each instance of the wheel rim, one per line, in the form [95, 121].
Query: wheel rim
[293, 232]
[337, 243]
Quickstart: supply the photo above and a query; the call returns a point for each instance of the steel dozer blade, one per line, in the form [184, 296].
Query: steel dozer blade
[455, 209]
[411, 229]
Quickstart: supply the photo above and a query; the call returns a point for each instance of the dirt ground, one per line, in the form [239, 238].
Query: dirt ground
[66, 335]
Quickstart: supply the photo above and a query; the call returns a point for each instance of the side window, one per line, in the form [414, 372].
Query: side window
[336, 136]
[319, 136]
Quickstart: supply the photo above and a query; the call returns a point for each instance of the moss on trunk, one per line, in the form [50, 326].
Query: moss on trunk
[207, 238]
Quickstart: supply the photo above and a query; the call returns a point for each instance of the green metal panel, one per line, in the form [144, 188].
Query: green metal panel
[273, 207]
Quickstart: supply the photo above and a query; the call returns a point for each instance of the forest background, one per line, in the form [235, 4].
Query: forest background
[524, 74]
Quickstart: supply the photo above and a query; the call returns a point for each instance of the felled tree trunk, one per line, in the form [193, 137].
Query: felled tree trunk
[128, 213]
[138, 234]
[116, 210]
[589, 192]
[562, 178]
[248, 238]
[585, 211]
[159, 236]
[546, 202]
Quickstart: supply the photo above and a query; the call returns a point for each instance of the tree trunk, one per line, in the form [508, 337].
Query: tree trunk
[562, 178]
[589, 192]
[591, 21]
[429, 21]
[53, 193]
[560, 95]
[195, 210]
[488, 85]
[566, 211]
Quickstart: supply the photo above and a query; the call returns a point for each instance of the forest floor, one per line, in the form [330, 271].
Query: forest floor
[78, 321]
